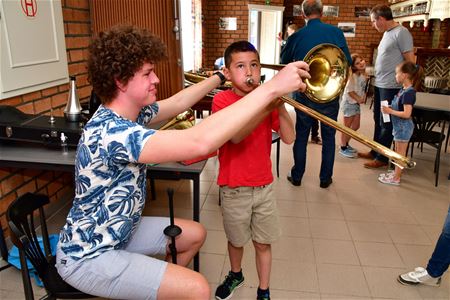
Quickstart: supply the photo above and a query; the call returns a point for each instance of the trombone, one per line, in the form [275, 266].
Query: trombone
[328, 68]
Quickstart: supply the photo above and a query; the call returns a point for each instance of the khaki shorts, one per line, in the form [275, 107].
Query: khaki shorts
[250, 212]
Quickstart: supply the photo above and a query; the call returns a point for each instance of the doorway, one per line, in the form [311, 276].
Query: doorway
[265, 22]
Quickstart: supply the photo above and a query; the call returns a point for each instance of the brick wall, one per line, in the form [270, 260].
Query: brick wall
[15, 182]
[57, 185]
[366, 37]
[215, 40]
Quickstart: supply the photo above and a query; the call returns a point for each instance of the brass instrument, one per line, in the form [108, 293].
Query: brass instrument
[191, 78]
[396, 158]
[328, 68]
[182, 121]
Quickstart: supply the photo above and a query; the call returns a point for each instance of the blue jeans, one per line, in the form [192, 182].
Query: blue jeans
[303, 127]
[383, 131]
[440, 259]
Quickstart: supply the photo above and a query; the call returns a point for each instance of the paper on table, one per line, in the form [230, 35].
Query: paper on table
[386, 117]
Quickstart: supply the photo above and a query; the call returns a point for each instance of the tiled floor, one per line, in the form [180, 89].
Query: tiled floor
[349, 241]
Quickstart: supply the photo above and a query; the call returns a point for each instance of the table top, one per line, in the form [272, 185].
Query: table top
[29, 153]
[433, 101]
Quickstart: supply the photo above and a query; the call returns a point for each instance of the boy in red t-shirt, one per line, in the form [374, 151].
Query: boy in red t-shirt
[245, 174]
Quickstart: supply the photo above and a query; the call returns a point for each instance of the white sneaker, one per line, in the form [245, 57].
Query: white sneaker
[418, 276]
[386, 175]
[388, 179]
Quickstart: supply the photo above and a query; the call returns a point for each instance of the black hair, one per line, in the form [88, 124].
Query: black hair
[240, 46]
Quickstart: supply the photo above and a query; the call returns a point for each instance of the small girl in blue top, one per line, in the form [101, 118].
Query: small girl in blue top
[408, 74]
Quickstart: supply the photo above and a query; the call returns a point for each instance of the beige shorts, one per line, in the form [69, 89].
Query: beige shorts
[250, 212]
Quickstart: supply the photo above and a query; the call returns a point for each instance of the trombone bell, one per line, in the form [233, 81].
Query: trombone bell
[328, 68]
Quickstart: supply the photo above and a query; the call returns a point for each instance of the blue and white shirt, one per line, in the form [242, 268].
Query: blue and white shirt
[109, 184]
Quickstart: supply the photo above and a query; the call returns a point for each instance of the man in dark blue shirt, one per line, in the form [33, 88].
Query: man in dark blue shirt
[314, 33]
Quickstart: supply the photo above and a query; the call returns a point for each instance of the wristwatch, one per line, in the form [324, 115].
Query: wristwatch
[221, 76]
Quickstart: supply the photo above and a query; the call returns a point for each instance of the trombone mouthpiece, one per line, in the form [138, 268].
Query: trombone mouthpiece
[249, 81]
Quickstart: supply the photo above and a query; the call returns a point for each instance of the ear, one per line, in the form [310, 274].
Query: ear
[122, 87]
[227, 74]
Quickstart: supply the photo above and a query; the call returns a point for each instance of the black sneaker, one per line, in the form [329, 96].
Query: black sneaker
[263, 295]
[226, 289]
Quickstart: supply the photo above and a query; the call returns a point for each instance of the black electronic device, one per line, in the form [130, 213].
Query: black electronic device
[18, 126]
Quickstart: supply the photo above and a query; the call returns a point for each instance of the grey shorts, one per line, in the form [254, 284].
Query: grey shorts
[250, 213]
[122, 274]
[351, 109]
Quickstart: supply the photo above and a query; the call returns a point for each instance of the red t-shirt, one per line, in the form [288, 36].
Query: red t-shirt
[248, 162]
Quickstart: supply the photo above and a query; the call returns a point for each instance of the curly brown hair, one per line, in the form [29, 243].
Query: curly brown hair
[117, 54]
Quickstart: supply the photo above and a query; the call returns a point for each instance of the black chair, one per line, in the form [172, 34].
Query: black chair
[3, 250]
[21, 216]
[276, 139]
[424, 123]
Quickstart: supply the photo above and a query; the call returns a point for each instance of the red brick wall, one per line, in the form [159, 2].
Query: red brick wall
[76, 15]
[214, 40]
[366, 38]
[16, 182]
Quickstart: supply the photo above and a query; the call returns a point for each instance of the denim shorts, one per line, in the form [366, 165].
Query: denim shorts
[402, 130]
[121, 274]
[351, 109]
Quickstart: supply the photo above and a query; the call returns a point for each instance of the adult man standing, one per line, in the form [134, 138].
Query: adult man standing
[314, 33]
[395, 46]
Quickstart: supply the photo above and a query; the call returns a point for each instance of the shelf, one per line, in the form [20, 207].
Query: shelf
[411, 11]
[405, 3]
[413, 18]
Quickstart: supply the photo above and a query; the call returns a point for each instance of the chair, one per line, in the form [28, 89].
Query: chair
[424, 123]
[276, 139]
[21, 216]
[369, 91]
[3, 250]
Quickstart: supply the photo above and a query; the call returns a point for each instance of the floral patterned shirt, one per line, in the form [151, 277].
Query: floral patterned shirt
[109, 184]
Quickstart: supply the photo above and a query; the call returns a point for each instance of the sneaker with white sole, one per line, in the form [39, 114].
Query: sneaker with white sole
[347, 153]
[229, 285]
[351, 149]
[419, 276]
[388, 179]
[386, 175]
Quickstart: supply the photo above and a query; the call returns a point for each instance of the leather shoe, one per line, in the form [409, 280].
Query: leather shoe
[326, 183]
[375, 164]
[367, 155]
[316, 140]
[294, 182]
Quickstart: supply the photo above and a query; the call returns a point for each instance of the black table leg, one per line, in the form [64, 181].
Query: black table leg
[196, 215]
